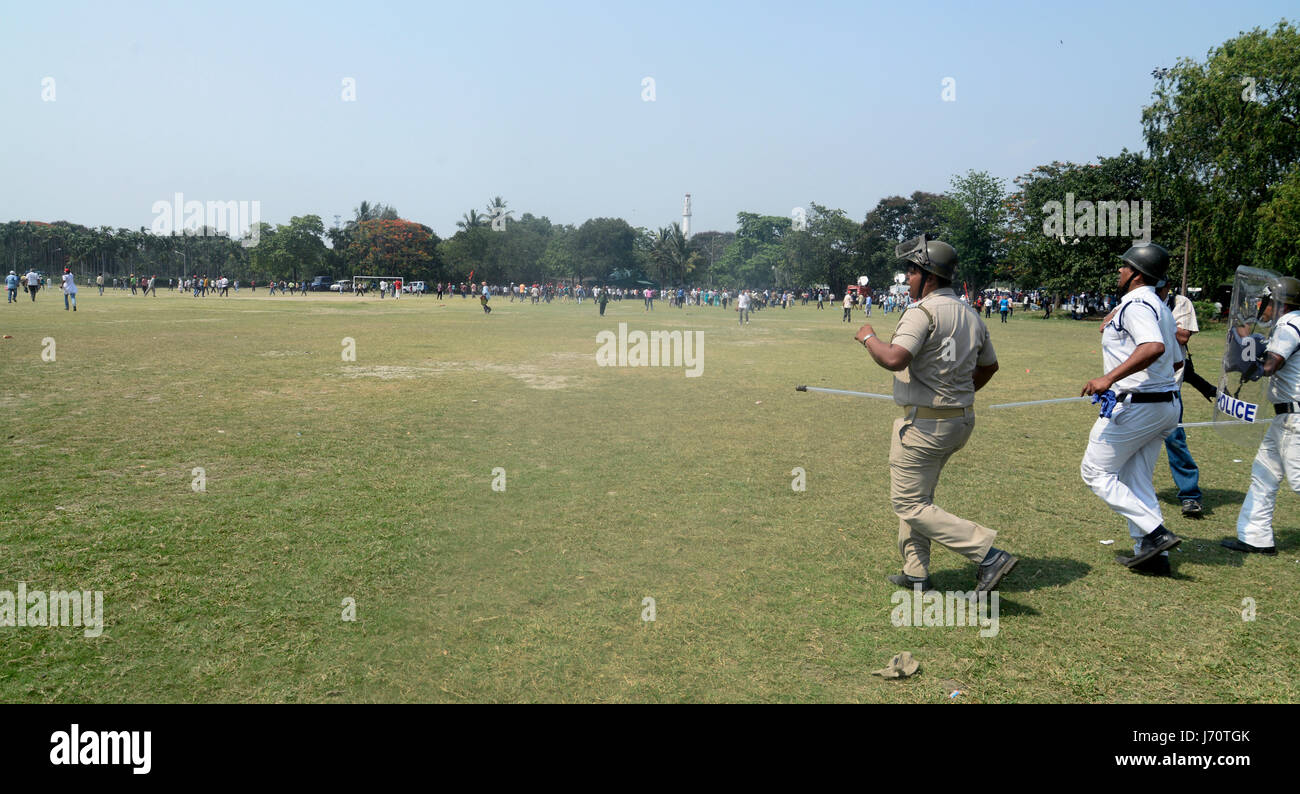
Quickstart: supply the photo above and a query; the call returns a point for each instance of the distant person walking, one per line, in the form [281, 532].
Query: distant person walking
[848, 308]
[11, 285]
[69, 290]
[33, 283]
[1004, 306]
[99, 282]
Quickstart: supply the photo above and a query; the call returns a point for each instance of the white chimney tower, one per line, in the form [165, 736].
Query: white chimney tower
[686, 217]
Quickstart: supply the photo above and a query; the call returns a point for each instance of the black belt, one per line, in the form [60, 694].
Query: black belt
[1147, 396]
[1286, 408]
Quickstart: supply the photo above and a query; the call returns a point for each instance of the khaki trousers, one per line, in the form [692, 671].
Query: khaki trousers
[918, 450]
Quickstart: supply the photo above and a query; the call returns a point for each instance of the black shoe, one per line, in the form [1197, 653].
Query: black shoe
[1246, 548]
[1161, 540]
[903, 580]
[1156, 566]
[991, 572]
[1192, 508]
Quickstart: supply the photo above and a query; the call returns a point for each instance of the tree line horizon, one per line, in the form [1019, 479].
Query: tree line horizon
[1220, 178]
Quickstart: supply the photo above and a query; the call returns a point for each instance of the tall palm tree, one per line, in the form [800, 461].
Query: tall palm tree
[671, 253]
[363, 213]
[470, 220]
[496, 209]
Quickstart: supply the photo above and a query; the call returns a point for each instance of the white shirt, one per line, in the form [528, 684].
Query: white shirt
[1284, 386]
[1185, 318]
[742, 302]
[69, 285]
[32, 278]
[1141, 317]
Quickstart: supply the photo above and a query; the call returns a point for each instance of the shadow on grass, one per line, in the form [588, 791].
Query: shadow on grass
[1009, 608]
[1030, 573]
[1207, 551]
[1212, 499]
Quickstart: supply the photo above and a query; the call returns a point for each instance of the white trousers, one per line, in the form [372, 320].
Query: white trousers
[1120, 462]
[1278, 458]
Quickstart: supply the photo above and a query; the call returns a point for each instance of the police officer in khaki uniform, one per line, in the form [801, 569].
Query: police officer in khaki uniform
[941, 355]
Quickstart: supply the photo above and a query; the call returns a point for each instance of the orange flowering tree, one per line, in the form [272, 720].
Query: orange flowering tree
[393, 248]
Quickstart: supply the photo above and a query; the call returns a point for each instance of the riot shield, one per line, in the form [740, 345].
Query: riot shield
[1241, 412]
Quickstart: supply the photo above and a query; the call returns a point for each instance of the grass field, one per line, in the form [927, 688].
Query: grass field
[372, 480]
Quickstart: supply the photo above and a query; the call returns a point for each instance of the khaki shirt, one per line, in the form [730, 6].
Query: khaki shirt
[945, 352]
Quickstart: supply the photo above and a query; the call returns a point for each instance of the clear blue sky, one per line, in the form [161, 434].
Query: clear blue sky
[759, 106]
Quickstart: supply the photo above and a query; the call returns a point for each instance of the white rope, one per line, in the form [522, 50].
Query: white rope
[1043, 402]
[850, 393]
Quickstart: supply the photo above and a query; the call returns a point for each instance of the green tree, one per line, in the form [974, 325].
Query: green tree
[671, 255]
[757, 252]
[1279, 227]
[290, 252]
[1041, 255]
[709, 247]
[471, 220]
[893, 220]
[497, 214]
[1224, 134]
[974, 214]
[603, 245]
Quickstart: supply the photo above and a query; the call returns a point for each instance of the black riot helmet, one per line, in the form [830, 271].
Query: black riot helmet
[1149, 259]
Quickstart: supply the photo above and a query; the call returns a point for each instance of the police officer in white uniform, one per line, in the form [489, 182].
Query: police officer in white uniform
[1279, 452]
[1139, 352]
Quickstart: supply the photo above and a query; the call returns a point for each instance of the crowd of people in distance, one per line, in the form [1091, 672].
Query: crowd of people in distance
[33, 282]
[1004, 302]
[679, 297]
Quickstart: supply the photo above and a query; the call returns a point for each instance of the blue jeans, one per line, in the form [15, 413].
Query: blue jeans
[1181, 466]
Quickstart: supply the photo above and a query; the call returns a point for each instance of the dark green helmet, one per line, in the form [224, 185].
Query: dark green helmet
[931, 256]
[1149, 259]
[1286, 290]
